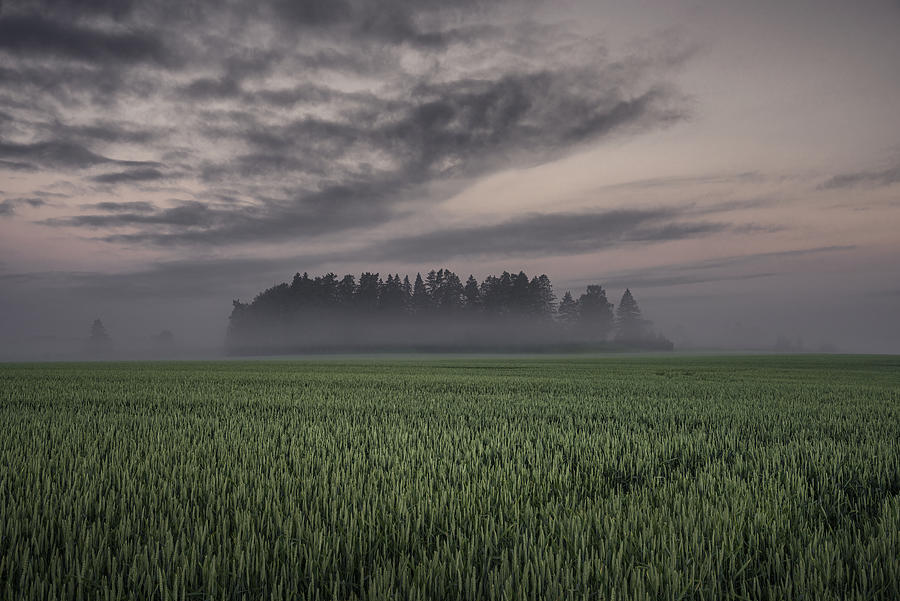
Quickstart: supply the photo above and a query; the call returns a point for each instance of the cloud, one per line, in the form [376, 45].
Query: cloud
[17, 165]
[556, 234]
[884, 177]
[187, 215]
[130, 176]
[382, 109]
[34, 34]
[111, 207]
[60, 155]
[710, 270]
[8, 206]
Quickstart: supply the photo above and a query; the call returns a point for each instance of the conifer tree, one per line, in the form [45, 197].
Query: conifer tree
[568, 310]
[630, 324]
[595, 313]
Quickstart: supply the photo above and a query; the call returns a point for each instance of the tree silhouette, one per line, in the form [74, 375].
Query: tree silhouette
[506, 310]
[542, 301]
[630, 325]
[420, 300]
[472, 295]
[568, 310]
[99, 341]
[595, 314]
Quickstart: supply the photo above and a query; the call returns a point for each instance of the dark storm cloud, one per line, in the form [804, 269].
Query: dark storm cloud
[167, 279]
[60, 155]
[17, 166]
[443, 131]
[130, 176]
[111, 207]
[554, 234]
[331, 209]
[35, 34]
[188, 215]
[712, 270]
[301, 154]
[105, 131]
[878, 178]
[8, 206]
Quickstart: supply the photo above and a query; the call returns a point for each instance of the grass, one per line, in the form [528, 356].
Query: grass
[762, 477]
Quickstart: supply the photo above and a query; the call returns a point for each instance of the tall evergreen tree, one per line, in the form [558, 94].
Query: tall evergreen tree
[392, 299]
[472, 295]
[543, 301]
[346, 291]
[520, 294]
[630, 324]
[420, 301]
[407, 288]
[367, 292]
[595, 314]
[568, 310]
[447, 295]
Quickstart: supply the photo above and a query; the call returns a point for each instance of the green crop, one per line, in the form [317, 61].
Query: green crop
[574, 478]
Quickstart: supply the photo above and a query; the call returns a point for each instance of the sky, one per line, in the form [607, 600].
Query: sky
[735, 164]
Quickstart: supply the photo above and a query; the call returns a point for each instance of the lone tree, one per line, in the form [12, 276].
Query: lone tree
[630, 325]
[99, 341]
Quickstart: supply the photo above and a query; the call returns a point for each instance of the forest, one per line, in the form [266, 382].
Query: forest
[439, 312]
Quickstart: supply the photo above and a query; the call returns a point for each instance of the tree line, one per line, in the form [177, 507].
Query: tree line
[439, 311]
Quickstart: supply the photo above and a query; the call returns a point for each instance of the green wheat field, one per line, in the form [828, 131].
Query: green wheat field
[758, 477]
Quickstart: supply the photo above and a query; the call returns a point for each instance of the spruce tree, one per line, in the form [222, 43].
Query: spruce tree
[472, 294]
[420, 300]
[595, 313]
[630, 325]
[568, 310]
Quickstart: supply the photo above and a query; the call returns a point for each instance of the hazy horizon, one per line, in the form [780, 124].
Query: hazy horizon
[736, 165]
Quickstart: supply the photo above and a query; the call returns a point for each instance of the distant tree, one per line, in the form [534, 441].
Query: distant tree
[595, 314]
[497, 294]
[326, 293]
[420, 301]
[302, 290]
[99, 341]
[367, 292]
[517, 310]
[520, 295]
[407, 288]
[164, 341]
[630, 324]
[346, 292]
[542, 300]
[392, 298]
[472, 295]
[448, 294]
[568, 310]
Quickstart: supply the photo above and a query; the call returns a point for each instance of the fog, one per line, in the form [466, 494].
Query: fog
[735, 165]
[53, 323]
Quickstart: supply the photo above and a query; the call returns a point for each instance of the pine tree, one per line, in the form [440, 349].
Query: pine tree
[568, 310]
[595, 313]
[420, 300]
[472, 294]
[630, 325]
[543, 301]
[407, 287]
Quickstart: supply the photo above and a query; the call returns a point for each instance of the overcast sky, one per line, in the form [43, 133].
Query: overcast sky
[736, 164]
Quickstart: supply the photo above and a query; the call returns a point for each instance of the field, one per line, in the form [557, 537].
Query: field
[462, 478]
